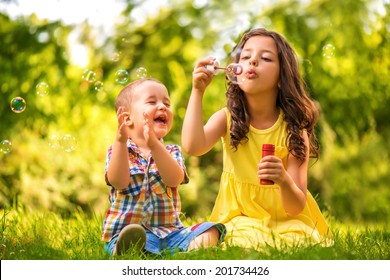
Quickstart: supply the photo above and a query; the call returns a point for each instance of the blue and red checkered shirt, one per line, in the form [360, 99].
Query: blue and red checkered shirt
[147, 200]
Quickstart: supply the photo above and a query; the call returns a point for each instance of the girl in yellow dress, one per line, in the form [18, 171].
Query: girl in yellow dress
[268, 105]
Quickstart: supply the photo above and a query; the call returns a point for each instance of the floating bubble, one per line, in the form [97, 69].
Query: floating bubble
[18, 104]
[42, 89]
[121, 76]
[54, 142]
[141, 72]
[328, 51]
[115, 57]
[88, 75]
[307, 65]
[68, 143]
[5, 146]
[98, 86]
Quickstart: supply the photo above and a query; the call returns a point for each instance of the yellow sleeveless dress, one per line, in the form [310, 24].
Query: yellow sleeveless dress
[253, 213]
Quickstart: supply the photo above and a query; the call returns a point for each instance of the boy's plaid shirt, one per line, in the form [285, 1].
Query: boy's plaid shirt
[147, 200]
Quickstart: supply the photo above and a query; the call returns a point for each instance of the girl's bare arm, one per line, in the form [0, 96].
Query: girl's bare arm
[197, 138]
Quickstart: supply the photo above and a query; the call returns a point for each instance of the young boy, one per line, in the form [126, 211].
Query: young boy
[144, 175]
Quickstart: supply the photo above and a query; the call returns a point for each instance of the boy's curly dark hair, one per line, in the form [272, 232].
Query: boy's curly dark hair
[299, 109]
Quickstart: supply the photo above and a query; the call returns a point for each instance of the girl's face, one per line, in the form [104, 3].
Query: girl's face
[259, 58]
[152, 98]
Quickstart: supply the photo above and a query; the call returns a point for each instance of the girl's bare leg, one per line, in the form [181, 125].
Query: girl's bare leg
[209, 238]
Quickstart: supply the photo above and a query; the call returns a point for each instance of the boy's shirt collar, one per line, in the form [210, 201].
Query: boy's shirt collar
[133, 148]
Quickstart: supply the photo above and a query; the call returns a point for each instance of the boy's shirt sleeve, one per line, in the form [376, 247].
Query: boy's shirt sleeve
[135, 167]
[107, 162]
[176, 153]
[134, 163]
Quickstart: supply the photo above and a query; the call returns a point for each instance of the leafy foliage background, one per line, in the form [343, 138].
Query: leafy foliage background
[351, 178]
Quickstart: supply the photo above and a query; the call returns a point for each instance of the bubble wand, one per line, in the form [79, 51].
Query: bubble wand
[233, 70]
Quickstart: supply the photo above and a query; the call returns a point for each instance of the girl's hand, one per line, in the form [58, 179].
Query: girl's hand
[201, 76]
[123, 121]
[150, 136]
[271, 168]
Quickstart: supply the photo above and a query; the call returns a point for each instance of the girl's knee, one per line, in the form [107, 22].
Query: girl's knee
[208, 238]
[213, 235]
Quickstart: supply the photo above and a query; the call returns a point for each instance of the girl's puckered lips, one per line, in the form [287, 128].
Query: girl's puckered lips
[250, 74]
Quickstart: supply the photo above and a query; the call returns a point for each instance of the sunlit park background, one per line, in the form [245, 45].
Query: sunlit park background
[61, 68]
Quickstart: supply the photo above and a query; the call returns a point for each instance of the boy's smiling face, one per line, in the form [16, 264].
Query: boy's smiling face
[152, 99]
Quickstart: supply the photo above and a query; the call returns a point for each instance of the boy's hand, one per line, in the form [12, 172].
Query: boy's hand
[150, 136]
[201, 76]
[123, 122]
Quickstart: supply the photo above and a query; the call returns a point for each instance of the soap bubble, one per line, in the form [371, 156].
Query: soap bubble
[98, 86]
[122, 76]
[68, 143]
[88, 75]
[5, 146]
[54, 142]
[115, 57]
[233, 72]
[42, 89]
[141, 72]
[18, 104]
[328, 51]
[307, 65]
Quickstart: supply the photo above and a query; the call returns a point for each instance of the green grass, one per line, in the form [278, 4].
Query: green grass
[29, 235]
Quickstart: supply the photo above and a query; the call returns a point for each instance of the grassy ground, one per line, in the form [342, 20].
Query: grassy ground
[47, 236]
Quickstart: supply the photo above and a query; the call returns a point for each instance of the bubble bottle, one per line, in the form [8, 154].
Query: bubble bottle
[267, 150]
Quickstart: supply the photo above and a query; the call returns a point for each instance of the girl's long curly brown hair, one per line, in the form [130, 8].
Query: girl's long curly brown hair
[299, 109]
